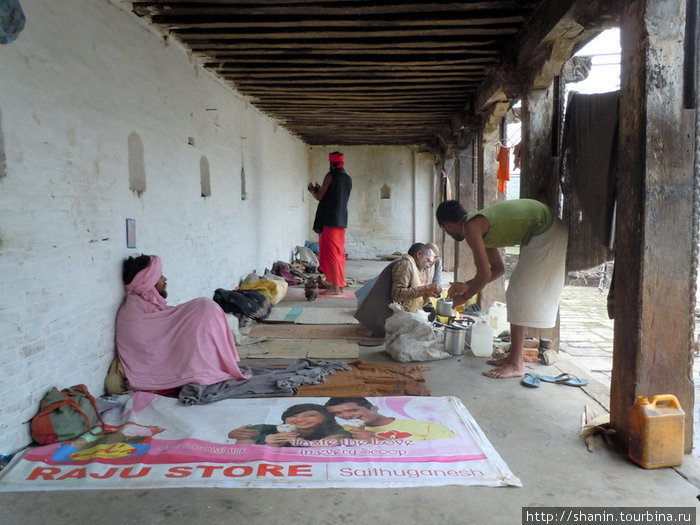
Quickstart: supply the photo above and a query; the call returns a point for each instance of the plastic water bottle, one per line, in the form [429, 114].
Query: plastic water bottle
[498, 317]
[482, 339]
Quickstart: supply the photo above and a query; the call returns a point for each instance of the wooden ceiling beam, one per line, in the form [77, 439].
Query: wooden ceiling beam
[436, 74]
[351, 44]
[320, 8]
[187, 24]
[328, 33]
[230, 54]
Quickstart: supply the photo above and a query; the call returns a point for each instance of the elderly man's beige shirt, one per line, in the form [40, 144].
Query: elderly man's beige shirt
[406, 284]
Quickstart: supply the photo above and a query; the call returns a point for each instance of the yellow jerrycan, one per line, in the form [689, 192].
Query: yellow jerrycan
[657, 430]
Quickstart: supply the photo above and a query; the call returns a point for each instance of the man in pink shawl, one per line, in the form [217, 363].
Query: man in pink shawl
[163, 347]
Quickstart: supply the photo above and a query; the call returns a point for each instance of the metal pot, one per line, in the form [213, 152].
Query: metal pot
[444, 307]
[454, 339]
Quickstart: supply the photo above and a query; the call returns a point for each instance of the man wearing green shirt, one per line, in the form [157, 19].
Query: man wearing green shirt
[535, 287]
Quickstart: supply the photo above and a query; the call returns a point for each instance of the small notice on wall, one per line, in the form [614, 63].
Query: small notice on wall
[131, 233]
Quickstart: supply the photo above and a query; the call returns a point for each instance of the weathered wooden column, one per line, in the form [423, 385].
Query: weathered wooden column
[654, 299]
[488, 194]
[466, 175]
[539, 174]
[447, 245]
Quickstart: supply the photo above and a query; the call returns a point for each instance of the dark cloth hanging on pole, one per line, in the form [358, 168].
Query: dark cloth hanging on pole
[589, 177]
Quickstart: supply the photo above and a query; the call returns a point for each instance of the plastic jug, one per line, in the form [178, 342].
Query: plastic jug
[481, 339]
[657, 431]
[498, 317]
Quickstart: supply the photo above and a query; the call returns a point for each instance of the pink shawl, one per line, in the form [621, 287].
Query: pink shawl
[163, 346]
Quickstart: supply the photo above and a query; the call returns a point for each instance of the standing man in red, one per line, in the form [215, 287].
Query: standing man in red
[331, 221]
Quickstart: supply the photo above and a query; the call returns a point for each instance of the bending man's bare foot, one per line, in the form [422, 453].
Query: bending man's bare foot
[499, 362]
[506, 370]
[333, 290]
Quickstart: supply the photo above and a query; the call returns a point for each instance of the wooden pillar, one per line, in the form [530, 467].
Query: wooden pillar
[539, 172]
[488, 194]
[467, 192]
[539, 167]
[439, 236]
[654, 300]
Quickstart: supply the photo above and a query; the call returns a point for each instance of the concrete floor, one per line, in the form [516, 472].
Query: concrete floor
[536, 431]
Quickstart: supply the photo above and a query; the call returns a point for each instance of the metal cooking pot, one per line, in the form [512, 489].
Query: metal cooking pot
[455, 338]
[444, 307]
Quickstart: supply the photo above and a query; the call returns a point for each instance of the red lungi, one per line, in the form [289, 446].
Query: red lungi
[331, 254]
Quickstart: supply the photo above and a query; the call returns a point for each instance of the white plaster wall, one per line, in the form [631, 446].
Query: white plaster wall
[376, 225]
[82, 76]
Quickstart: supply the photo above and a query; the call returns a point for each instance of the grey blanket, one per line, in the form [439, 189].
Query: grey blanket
[265, 381]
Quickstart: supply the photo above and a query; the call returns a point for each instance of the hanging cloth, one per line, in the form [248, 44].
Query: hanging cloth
[589, 177]
[446, 186]
[503, 174]
[517, 150]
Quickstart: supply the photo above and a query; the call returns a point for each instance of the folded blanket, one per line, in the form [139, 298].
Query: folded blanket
[265, 381]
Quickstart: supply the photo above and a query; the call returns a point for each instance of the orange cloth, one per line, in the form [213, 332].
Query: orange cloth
[503, 168]
[331, 254]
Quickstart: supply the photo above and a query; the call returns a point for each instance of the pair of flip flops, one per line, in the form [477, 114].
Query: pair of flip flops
[533, 380]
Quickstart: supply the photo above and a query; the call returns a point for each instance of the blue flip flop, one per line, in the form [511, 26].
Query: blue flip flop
[564, 379]
[531, 380]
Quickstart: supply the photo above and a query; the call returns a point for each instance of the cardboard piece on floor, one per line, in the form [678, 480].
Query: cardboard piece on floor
[297, 292]
[327, 316]
[311, 315]
[300, 348]
[332, 349]
[311, 331]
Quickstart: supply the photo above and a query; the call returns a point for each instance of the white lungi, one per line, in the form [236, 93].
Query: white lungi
[535, 287]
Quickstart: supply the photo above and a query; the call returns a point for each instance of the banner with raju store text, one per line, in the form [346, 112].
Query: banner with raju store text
[426, 441]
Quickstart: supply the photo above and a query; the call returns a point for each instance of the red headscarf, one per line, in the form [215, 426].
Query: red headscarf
[337, 158]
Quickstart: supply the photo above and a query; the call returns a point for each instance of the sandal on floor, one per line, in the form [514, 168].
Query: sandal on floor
[323, 283]
[531, 380]
[565, 379]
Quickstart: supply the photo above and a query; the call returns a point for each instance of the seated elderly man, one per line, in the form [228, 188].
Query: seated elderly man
[400, 282]
[433, 273]
[162, 347]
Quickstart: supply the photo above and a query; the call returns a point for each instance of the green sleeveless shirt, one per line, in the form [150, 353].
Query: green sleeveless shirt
[514, 222]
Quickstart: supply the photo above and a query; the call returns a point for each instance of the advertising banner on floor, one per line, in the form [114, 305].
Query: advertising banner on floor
[269, 442]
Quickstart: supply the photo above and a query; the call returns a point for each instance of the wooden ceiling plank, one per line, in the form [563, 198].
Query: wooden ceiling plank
[351, 44]
[361, 35]
[363, 8]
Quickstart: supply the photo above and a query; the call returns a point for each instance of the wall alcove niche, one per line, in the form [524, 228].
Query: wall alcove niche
[137, 166]
[3, 164]
[204, 177]
[385, 192]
